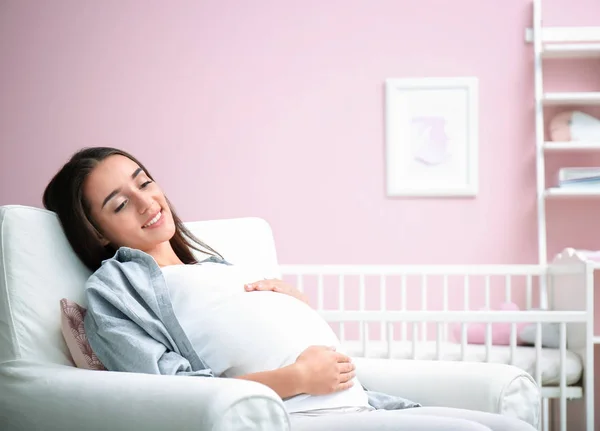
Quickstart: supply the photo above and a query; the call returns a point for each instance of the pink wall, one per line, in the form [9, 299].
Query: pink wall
[274, 109]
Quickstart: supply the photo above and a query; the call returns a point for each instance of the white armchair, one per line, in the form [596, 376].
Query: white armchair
[41, 389]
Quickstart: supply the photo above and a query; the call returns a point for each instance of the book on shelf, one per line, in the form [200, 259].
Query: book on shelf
[579, 177]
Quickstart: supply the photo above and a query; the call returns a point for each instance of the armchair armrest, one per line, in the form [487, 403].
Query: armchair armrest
[488, 387]
[55, 397]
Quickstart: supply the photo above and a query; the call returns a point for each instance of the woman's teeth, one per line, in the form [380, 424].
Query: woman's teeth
[154, 220]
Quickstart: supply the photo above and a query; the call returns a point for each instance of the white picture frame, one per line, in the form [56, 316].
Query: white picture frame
[432, 136]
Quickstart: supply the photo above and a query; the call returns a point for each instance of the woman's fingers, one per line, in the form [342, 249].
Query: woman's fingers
[265, 285]
[259, 286]
[340, 357]
[347, 372]
[347, 377]
[345, 368]
[276, 286]
[346, 385]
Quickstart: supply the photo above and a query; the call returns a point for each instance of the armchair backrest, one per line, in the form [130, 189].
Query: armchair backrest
[38, 268]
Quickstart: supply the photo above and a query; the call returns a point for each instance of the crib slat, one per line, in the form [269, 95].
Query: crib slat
[415, 337]
[382, 304]
[463, 337]
[424, 306]
[341, 304]
[320, 292]
[445, 303]
[361, 293]
[538, 353]
[365, 341]
[488, 326]
[563, 376]
[361, 305]
[488, 342]
[439, 334]
[545, 422]
[404, 307]
[513, 343]
[546, 291]
[390, 339]
[299, 284]
[487, 291]
[463, 341]
[529, 293]
[538, 372]
[466, 292]
[507, 286]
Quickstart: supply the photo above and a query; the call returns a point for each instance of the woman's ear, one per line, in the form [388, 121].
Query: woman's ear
[100, 237]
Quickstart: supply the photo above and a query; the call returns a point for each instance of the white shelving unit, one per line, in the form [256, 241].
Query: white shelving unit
[558, 43]
[555, 44]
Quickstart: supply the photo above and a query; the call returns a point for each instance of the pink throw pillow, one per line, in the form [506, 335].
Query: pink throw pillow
[73, 331]
[500, 331]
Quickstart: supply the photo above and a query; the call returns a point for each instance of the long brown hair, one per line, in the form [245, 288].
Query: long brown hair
[64, 196]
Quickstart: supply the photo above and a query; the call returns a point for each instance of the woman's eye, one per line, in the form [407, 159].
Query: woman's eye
[144, 185]
[120, 207]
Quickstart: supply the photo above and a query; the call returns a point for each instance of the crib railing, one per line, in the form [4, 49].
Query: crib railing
[418, 303]
[529, 272]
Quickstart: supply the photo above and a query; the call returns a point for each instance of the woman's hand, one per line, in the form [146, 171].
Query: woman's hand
[276, 285]
[322, 370]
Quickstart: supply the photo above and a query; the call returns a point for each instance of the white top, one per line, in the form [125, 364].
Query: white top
[237, 332]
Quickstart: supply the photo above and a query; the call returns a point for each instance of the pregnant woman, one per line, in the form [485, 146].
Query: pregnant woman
[154, 307]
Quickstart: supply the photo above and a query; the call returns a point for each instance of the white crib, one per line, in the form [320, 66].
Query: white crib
[370, 309]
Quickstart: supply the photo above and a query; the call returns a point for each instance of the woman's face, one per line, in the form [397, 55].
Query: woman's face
[129, 209]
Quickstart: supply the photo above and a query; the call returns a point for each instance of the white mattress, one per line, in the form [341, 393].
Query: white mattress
[525, 356]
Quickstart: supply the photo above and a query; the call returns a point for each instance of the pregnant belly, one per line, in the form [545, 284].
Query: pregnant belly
[262, 331]
[255, 331]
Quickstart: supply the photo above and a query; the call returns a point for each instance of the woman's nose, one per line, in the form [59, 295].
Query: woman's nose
[144, 202]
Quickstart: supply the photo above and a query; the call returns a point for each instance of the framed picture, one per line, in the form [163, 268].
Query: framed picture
[431, 134]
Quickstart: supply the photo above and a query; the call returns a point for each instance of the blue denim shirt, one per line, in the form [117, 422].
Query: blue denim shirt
[131, 325]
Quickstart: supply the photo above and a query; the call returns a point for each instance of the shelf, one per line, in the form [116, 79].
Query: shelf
[572, 192]
[571, 50]
[566, 34]
[596, 339]
[571, 98]
[552, 146]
